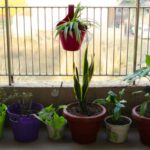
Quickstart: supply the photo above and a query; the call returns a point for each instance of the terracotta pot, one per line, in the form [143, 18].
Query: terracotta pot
[71, 43]
[143, 126]
[117, 133]
[84, 129]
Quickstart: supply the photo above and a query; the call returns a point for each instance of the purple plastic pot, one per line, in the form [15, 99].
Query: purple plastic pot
[25, 127]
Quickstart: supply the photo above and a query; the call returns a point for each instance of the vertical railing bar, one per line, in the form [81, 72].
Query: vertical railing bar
[59, 45]
[107, 41]
[100, 41]
[31, 41]
[148, 33]
[141, 37]
[25, 49]
[39, 42]
[87, 32]
[52, 40]
[93, 31]
[45, 39]
[128, 42]
[121, 41]
[12, 66]
[18, 39]
[66, 51]
[136, 36]
[10, 77]
[4, 41]
[114, 43]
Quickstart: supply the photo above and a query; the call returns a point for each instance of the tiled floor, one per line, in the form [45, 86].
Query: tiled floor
[43, 143]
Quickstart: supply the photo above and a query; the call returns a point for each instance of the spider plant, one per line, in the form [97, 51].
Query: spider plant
[76, 24]
[142, 72]
[81, 87]
[139, 73]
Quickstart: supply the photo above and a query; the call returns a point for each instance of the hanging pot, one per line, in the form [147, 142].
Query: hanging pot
[70, 43]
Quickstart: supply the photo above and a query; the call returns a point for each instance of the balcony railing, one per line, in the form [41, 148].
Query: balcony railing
[31, 49]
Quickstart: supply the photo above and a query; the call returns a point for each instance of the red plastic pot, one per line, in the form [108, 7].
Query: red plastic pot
[71, 43]
[84, 129]
[143, 126]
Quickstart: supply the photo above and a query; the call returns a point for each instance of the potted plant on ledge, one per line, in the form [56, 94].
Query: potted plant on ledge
[117, 125]
[54, 122]
[3, 108]
[84, 118]
[25, 126]
[72, 29]
[141, 113]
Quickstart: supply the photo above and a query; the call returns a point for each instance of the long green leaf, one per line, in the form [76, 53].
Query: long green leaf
[77, 89]
[148, 60]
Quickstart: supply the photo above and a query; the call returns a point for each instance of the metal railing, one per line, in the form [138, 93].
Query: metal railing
[29, 47]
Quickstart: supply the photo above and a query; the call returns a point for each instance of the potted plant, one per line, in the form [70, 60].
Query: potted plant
[72, 29]
[3, 108]
[54, 122]
[84, 118]
[117, 125]
[24, 125]
[141, 113]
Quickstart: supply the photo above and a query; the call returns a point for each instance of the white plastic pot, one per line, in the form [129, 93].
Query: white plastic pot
[117, 133]
[55, 134]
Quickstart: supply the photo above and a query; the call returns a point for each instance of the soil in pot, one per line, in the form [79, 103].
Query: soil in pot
[117, 132]
[84, 128]
[143, 125]
[75, 110]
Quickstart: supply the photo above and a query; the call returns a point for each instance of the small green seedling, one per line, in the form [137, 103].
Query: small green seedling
[24, 99]
[50, 117]
[115, 102]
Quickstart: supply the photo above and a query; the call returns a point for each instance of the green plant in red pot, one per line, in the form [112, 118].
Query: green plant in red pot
[72, 29]
[117, 125]
[84, 118]
[141, 112]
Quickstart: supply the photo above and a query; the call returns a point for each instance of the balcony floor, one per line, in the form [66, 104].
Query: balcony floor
[8, 143]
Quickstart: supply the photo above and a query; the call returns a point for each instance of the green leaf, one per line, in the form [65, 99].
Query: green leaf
[71, 26]
[77, 89]
[143, 108]
[100, 101]
[66, 32]
[85, 63]
[148, 60]
[91, 69]
[147, 95]
[85, 86]
[57, 121]
[77, 31]
[122, 92]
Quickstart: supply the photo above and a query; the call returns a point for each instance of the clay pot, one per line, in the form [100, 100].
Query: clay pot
[84, 129]
[143, 126]
[117, 133]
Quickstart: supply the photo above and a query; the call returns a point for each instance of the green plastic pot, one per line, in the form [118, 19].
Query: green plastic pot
[3, 109]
